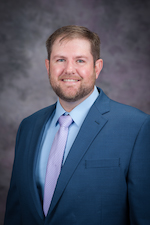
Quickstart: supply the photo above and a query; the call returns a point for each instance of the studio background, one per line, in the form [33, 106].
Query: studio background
[124, 30]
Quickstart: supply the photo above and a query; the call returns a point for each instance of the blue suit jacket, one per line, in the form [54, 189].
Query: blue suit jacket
[105, 179]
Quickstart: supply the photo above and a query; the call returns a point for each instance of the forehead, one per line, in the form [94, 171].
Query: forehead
[76, 44]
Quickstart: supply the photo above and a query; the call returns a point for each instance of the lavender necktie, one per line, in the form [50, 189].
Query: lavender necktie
[55, 160]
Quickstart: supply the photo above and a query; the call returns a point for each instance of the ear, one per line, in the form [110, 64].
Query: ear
[98, 67]
[47, 65]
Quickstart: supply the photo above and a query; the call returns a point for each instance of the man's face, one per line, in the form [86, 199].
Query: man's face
[72, 72]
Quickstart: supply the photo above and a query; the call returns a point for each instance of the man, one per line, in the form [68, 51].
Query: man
[105, 166]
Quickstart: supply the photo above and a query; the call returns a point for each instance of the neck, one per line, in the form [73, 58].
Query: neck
[69, 106]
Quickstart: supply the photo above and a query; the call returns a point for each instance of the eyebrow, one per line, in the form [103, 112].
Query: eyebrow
[62, 56]
[59, 56]
[81, 56]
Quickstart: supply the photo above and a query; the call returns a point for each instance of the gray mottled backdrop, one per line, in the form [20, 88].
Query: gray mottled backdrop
[124, 29]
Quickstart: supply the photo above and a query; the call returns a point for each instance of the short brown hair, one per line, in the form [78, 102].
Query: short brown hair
[73, 31]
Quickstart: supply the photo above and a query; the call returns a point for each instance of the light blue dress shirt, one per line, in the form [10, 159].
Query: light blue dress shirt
[78, 115]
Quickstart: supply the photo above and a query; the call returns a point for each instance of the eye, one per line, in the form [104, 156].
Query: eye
[60, 60]
[80, 61]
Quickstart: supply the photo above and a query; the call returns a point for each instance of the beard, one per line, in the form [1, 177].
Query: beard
[71, 94]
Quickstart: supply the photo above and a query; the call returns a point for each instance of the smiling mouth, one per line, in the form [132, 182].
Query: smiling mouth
[69, 80]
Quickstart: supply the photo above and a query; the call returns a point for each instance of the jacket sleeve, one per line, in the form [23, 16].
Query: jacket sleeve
[139, 177]
[13, 213]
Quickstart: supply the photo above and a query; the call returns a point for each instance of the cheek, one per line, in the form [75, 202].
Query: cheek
[56, 71]
[86, 73]
[83, 72]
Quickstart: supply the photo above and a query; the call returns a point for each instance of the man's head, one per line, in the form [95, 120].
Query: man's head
[71, 32]
[73, 64]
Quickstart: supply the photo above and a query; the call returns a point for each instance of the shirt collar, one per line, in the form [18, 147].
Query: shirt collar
[79, 113]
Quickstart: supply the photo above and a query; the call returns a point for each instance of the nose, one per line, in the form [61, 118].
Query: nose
[70, 68]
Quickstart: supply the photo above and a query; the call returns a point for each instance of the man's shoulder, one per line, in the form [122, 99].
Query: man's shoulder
[44, 112]
[126, 110]
[128, 116]
[120, 111]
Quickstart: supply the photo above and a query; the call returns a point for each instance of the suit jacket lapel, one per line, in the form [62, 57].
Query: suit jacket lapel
[37, 133]
[92, 125]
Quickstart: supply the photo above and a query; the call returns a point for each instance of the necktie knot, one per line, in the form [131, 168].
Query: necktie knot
[65, 121]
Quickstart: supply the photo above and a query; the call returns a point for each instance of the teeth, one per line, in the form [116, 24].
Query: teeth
[70, 80]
